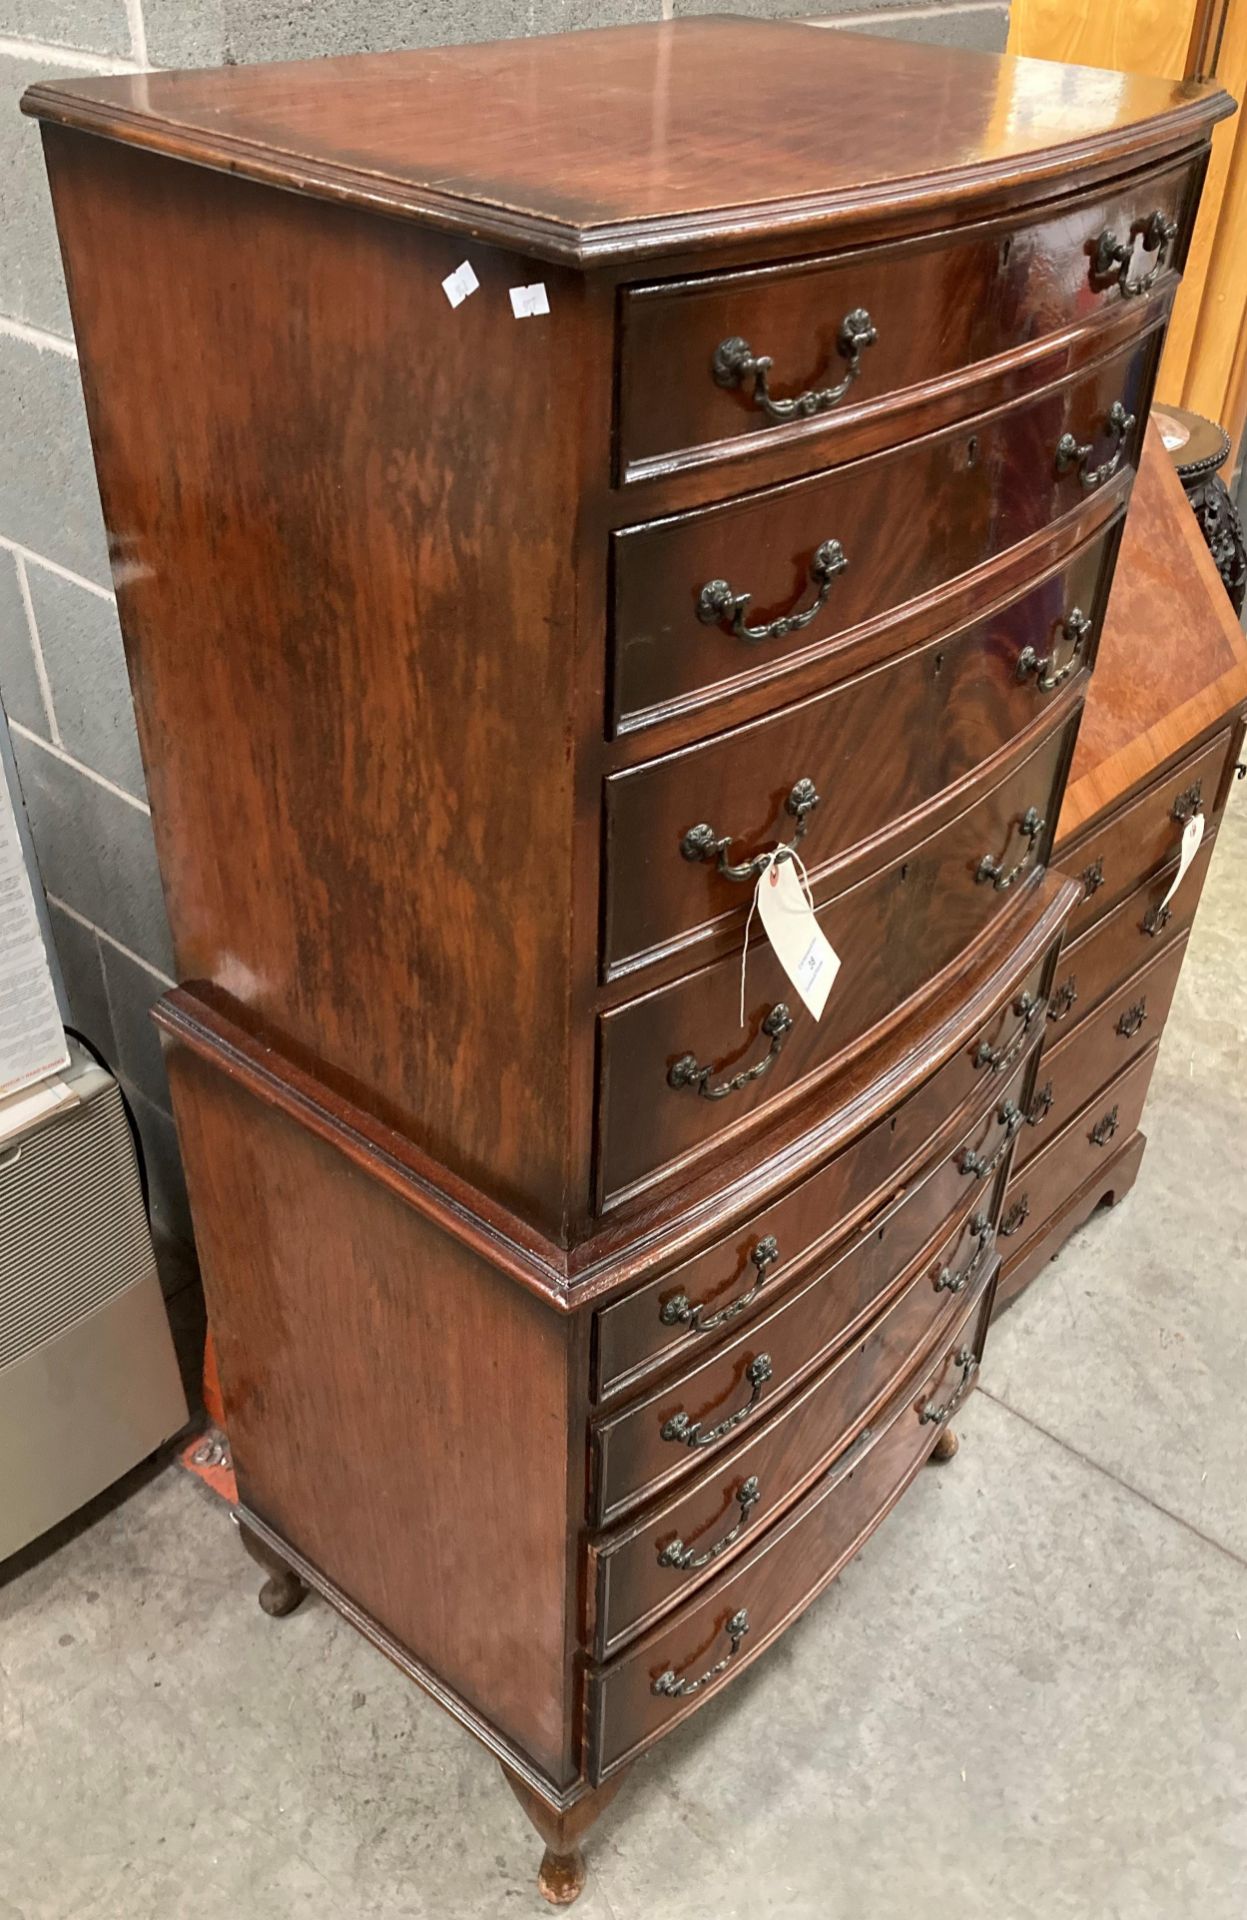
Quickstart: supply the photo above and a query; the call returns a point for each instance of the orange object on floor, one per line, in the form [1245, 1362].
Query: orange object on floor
[207, 1456]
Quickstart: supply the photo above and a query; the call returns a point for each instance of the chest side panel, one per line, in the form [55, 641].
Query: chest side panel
[398, 1411]
[343, 517]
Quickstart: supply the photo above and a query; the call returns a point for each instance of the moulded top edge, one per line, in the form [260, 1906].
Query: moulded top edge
[626, 143]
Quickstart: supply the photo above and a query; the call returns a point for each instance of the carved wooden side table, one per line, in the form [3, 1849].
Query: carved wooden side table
[1199, 448]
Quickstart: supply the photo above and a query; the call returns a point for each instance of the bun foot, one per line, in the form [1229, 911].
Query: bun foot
[283, 1590]
[946, 1446]
[561, 1877]
[281, 1594]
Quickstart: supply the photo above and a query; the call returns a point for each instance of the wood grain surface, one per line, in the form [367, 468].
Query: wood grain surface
[606, 144]
[1172, 662]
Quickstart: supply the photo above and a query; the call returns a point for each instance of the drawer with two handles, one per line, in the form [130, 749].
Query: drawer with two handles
[1124, 939]
[689, 1656]
[1078, 1153]
[717, 365]
[685, 833]
[714, 1293]
[1079, 1062]
[1111, 859]
[731, 598]
[677, 1071]
[943, 1221]
[648, 1564]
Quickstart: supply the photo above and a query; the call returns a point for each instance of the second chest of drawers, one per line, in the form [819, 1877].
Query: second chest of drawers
[1159, 747]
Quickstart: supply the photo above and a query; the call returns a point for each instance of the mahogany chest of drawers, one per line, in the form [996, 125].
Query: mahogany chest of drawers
[535, 499]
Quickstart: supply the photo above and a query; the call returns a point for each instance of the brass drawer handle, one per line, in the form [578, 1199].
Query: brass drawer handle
[972, 1163]
[1113, 255]
[1063, 998]
[1132, 1019]
[998, 1058]
[718, 606]
[1075, 627]
[932, 1413]
[1071, 455]
[1103, 1130]
[686, 1432]
[1018, 1213]
[703, 843]
[678, 1689]
[1030, 826]
[735, 362]
[1187, 803]
[678, 1311]
[678, 1555]
[1155, 920]
[950, 1280]
[1040, 1106]
[1092, 878]
[687, 1073]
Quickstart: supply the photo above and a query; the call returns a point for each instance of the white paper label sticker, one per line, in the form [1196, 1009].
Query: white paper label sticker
[801, 947]
[1192, 835]
[459, 284]
[529, 301]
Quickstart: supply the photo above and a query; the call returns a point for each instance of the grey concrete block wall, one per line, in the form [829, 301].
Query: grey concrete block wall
[90, 26]
[48, 498]
[982, 24]
[31, 284]
[23, 691]
[982, 28]
[182, 34]
[62, 673]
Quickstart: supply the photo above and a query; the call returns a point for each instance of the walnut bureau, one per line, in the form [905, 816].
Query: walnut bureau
[533, 497]
[1160, 739]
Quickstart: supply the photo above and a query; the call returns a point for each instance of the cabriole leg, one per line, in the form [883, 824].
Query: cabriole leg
[561, 1875]
[283, 1591]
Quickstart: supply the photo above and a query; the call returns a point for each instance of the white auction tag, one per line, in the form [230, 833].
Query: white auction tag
[528, 302]
[459, 284]
[801, 947]
[1192, 835]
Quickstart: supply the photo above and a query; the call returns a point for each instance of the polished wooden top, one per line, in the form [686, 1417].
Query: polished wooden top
[1173, 659]
[629, 141]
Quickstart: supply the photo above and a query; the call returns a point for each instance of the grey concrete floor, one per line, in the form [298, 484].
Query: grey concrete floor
[1028, 1696]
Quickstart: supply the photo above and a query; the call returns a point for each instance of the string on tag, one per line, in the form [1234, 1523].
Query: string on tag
[769, 860]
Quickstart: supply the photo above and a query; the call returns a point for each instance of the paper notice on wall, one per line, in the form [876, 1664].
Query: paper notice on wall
[32, 1040]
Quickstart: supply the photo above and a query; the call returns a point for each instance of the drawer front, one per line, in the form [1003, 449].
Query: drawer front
[995, 287]
[667, 1058]
[1110, 1186]
[822, 557]
[1077, 1154]
[651, 1688]
[1144, 836]
[711, 1403]
[1097, 1049]
[1122, 941]
[838, 769]
[638, 1572]
[689, 1306]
